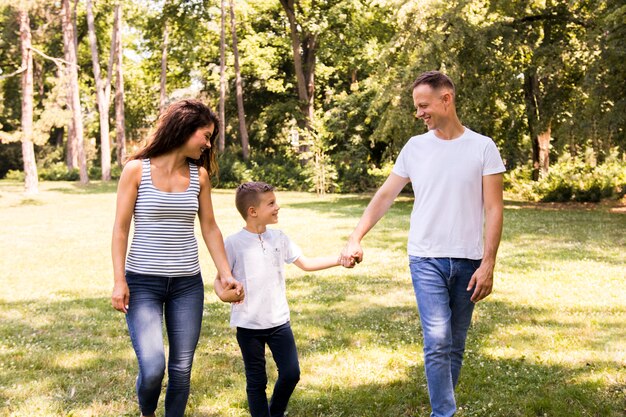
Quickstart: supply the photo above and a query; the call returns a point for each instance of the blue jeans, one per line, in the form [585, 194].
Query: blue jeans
[180, 300]
[283, 347]
[445, 311]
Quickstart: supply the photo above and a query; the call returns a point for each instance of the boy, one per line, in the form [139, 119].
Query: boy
[257, 256]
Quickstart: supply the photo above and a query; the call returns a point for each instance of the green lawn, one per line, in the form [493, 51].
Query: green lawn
[550, 341]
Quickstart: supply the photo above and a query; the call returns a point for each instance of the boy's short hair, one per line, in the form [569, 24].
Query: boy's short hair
[248, 195]
[435, 80]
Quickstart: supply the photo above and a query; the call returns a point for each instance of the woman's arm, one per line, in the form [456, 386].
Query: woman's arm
[316, 264]
[126, 196]
[212, 235]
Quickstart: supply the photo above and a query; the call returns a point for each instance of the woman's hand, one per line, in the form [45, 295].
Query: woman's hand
[120, 296]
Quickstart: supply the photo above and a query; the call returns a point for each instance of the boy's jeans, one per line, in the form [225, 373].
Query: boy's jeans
[445, 312]
[283, 347]
[181, 299]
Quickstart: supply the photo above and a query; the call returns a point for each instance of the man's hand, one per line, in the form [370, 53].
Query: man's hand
[351, 254]
[481, 282]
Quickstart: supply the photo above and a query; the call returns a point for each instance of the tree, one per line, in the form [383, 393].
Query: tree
[120, 128]
[28, 152]
[221, 143]
[243, 130]
[75, 135]
[303, 46]
[163, 90]
[102, 98]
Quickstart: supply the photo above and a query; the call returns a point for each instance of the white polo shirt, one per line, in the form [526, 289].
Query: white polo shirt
[258, 262]
[446, 175]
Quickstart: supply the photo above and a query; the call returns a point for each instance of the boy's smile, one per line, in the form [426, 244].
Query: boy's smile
[267, 210]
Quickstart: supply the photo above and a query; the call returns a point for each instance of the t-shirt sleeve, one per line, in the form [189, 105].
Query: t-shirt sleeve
[492, 162]
[230, 252]
[291, 251]
[401, 168]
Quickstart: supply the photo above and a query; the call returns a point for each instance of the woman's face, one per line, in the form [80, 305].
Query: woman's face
[199, 142]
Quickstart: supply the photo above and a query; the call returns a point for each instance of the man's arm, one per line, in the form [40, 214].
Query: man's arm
[482, 280]
[376, 209]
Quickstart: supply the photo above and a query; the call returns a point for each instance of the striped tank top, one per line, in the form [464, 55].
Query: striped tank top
[164, 243]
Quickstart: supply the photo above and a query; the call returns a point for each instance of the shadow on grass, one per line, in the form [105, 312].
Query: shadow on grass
[77, 352]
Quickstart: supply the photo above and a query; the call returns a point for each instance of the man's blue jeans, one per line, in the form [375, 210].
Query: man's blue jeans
[445, 311]
[180, 300]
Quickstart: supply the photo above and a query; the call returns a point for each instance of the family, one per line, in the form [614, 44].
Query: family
[455, 229]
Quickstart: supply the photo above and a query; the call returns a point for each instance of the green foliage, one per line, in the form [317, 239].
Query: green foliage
[95, 172]
[367, 53]
[58, 172]
[571, 179]
[282, 172]
[14, 175]
[10, 157]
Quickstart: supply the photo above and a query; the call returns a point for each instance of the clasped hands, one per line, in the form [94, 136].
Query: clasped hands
[351, 254]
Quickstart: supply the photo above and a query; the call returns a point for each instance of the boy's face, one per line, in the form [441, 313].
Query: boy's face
[267, 210]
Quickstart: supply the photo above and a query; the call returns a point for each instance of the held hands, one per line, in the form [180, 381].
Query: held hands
[229, 290]
[351, 254]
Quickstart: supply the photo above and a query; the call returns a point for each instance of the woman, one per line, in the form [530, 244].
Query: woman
[163, 186]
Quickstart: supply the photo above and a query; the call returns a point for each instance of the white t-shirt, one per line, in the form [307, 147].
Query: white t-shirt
[259, 264]
[446, 175]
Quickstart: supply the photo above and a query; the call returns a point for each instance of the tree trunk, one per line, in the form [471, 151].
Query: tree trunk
[163, 95]
[69, 44]
[28, 151]
[221, 143]
[531, 88]
[107, 90]
[120, 129]
[103, 104]
[543, 142]
[243, 130]
[305, 72]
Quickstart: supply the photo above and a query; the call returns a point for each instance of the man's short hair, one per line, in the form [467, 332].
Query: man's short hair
[435, 80]
[248, 195]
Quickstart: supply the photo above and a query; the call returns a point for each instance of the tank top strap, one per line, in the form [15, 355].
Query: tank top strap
[146, 178]
[194, 177]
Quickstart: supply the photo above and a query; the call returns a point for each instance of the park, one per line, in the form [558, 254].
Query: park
[316, 98]
[550, 341]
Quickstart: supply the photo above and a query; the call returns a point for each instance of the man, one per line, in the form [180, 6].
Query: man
[456, 176]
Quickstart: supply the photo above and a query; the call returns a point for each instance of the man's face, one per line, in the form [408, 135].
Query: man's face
[267, 210]
[431, 105]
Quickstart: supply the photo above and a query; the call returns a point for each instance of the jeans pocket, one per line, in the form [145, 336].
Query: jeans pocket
[414, 260]
[476, 263]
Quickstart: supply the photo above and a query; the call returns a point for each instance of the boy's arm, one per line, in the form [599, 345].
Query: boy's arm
[227, 295]
[316, 264]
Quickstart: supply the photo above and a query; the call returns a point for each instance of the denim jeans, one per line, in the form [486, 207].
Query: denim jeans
[283, 347]
[180, 300]
[445, 311]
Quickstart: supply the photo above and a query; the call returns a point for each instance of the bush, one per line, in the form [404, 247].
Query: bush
[280, 171]
[571, 179]
[58, 172]
[10, 157]
[15, 175]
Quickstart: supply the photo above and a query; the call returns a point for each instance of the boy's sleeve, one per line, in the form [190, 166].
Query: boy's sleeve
[291, 251]
[230, 252]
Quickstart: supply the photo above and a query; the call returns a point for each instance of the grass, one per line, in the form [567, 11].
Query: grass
[550, 341]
